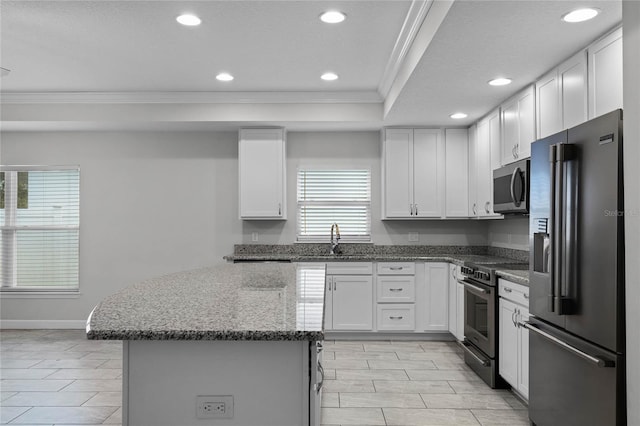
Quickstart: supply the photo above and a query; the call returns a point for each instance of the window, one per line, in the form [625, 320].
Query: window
[334, 196]
[39, 227]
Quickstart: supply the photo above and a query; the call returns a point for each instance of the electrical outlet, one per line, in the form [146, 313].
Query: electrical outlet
[254, 237]
[214, 406]
[414, 237]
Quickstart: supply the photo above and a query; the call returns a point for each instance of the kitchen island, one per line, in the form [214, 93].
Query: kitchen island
[245, 331]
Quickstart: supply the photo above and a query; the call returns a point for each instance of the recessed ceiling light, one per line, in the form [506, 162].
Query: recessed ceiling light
[189, 20]
[329, 76]
[458, 115]
[500, 81]
[224, 76]
[580, 15]
[332, 17]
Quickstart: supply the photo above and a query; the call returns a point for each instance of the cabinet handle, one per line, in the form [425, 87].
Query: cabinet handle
[395, 289]
[279, 209]
[475, 211]
[396, 318]
[416, 206]
[486, 206]
[507, 289]
[411, 209]
[395, 268]
[335, 285]
[526, 296]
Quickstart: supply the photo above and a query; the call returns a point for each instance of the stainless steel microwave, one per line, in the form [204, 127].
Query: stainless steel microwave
[511, 188]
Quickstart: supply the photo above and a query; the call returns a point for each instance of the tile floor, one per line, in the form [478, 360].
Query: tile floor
[57, 377]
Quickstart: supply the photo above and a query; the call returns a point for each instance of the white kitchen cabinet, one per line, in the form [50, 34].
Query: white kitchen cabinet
[396, 296]
[349, 296]
[486, 158]
[561, 96]
[518, 125]
[262, 174]
[396, 317]
[513, 337]
[456, 190]
[460, 311]
[605, 74]
[411, 173]
[456, 303]
[436, 296]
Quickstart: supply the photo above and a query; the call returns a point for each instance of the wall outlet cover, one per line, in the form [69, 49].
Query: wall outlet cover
[414, 237]
[214, 406]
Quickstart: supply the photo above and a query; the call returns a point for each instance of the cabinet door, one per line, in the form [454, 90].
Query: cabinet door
[473, 170]
[398, 173]
[328, 303]
[425, 173]
[484, 177]
[460, 313]
[508, 343]
[453, 305]
[456, 173]
[352, 302]
[523, 351]
[605, 74]
[572, 75]
[437, 293]
[549, 119]
[510, 131]
[262, 174]
[526, 122]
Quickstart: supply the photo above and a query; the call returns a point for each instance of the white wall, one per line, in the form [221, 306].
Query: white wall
[358, 150]
[151, 203]
[631, 52]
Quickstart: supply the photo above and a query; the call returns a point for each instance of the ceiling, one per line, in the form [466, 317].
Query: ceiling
[130, 65]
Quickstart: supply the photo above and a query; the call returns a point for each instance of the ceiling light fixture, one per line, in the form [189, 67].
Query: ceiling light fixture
[329, 76]
[500, 81]
[224, 76]
[458, 115]
[332, 17]
[580, 15]
[189, 20]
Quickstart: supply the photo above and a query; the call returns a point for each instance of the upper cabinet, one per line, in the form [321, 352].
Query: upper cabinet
[262, 174]
[410, 173]
[456, 173]
[561, 96]
[605, 74]
[485, 147]
[518, 125]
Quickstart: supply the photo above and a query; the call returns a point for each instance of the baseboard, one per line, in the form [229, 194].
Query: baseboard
[42, 324]
[381, 335]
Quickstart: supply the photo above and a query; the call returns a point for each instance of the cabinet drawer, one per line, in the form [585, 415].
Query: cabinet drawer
[396, 268]
[396, 317]
[349, 268]
[517, 293]
[396, 289]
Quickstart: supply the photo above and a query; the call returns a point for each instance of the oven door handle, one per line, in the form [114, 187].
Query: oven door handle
[473, 287]
[468, 350]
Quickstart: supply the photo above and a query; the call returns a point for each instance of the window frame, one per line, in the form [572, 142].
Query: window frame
[47, 290]
[324, 238]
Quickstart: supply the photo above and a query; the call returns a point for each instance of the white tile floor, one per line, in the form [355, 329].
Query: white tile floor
[60, 378]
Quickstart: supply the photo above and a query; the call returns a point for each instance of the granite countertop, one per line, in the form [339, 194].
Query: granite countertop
[514, 275]
[241, 301]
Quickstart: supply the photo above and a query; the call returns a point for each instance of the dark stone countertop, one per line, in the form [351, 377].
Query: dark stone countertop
[225, 302]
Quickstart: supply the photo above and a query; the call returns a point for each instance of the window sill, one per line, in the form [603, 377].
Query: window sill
[39, 294]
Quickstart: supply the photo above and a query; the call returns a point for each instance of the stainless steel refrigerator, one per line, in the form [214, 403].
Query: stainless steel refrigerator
[577, 332]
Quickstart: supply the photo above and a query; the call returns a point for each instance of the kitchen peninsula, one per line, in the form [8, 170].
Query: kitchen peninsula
[233, 330]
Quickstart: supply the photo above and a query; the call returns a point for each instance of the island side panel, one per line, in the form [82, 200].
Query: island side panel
[269, 381]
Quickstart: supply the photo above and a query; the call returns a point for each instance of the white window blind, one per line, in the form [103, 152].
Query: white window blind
[310, 300]
[39, 227]
[334, 196]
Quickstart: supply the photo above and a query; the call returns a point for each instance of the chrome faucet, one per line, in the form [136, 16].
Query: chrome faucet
[334, 245]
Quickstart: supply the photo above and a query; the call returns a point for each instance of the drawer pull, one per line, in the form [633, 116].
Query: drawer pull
[526, 296]
[395, 289]
[395, 268]
[396, 318]
[507, 289]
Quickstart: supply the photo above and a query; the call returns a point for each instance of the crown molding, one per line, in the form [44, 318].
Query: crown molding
[190, 97]
[412, 23]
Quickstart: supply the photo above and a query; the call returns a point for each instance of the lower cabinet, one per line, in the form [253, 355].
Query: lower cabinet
[513, 345]
[436, 305]
[456, 303]
[396, 296]
[398, 317]
[349, 297]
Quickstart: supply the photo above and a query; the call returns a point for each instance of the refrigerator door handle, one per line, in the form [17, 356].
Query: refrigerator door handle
[553, 249]
[564, 232]
[594, 360]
